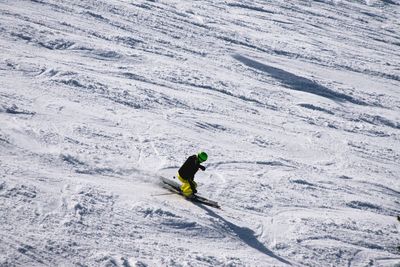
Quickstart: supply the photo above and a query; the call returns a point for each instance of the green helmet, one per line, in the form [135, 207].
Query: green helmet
[202, 156]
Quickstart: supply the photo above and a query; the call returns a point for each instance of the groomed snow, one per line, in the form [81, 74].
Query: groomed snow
[296, 103]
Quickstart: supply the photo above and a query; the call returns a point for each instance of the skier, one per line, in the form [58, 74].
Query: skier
[188, 170]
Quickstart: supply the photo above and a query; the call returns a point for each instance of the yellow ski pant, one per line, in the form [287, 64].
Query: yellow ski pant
[185, 187]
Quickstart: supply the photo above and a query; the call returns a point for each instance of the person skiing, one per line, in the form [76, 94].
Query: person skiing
[187, 171]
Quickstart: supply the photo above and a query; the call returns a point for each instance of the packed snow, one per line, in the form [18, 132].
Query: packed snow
[297, 104]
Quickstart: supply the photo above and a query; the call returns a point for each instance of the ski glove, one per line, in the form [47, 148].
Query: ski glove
[194, 191]
[202, 168]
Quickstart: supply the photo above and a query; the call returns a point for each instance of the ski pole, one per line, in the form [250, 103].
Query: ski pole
[162, 194]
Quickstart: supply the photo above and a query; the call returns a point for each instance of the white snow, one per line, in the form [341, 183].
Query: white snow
[296, 103]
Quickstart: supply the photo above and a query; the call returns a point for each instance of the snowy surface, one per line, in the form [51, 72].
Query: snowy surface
[296, 102]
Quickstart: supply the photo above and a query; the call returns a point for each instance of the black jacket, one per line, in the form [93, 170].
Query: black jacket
[190, 167]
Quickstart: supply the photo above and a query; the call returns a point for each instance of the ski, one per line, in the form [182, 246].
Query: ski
[175, 188]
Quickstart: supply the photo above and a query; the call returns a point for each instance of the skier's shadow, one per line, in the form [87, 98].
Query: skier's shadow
[245, 234]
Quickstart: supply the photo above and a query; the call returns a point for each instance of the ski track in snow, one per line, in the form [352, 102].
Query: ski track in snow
[296, 103]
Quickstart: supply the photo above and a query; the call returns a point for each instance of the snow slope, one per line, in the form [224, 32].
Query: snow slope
[296, 102]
